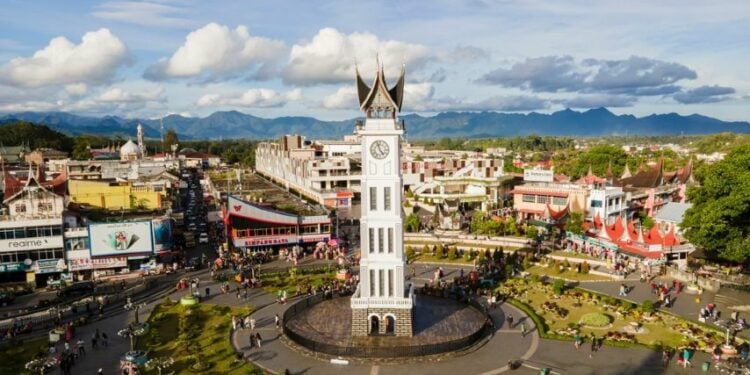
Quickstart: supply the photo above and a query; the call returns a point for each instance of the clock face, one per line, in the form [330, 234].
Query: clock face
[379, 149]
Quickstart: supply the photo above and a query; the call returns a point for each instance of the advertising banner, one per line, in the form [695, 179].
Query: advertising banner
[12, 267]
[48, 265]
[121, 238]
[162, 234]
[33, 243]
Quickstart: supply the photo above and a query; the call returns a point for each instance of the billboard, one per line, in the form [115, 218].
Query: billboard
[121, 238]
[162, 233]
[538, 175]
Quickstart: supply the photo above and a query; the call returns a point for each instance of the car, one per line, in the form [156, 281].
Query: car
[6, 298]
[193, 264]
[203, 238]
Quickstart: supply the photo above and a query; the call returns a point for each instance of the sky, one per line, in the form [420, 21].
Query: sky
[148, 59]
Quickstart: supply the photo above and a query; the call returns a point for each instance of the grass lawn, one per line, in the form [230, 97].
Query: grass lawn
[211, 324]
[274, 282]
[14, 357]
[666, 330]
[569, 275]
[572, 254]
[436, 259]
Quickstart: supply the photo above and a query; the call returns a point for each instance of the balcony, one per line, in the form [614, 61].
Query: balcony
[76, 232]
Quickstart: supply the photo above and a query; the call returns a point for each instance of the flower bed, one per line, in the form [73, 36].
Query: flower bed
[597, 320]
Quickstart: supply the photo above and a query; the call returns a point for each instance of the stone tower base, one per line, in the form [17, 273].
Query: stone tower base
[362, 321]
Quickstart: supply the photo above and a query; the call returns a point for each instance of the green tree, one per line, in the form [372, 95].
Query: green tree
[719, 220]
[532, 232]
[169, 138]
[452, 253]
[412, 223]
[647, 222]
[559, 286]
[574, 223]
[409, 253]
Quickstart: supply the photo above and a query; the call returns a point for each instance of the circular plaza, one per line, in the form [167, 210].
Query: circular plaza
[440, 325]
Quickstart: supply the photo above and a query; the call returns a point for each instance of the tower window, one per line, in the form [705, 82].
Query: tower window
[373, 198]
[381, 241]
[387, 198]
[372, 282]
[372, 240]
[390, 240]
[381, 282]
[390, 283]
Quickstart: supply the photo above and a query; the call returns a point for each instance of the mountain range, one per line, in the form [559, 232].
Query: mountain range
[233, 124]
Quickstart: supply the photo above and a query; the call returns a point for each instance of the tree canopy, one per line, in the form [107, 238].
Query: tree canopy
[719, 220]
[37, 136]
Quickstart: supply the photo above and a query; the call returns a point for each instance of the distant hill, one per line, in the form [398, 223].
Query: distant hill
[233, 124]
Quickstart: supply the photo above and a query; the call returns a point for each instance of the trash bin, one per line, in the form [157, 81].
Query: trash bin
[706, 366]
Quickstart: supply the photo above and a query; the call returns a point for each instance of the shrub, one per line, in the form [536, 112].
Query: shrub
[596, 319]
[425, 249]
[566, 264]
[585, 267]
[535, 278]
[409, 253]
[468, 255]
[559, 286]
[440, 251]
[481, 258]
[648, 306]
[526, 263]
[452, 253]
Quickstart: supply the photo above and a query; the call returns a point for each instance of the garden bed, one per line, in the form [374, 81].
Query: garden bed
[197, 337]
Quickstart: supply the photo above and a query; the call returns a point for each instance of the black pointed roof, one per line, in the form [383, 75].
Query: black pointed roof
[394, 94]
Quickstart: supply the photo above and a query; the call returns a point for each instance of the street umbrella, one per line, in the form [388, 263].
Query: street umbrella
[333, 242]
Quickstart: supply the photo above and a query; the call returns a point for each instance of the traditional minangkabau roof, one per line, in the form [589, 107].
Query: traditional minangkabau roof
[645, 178]
[395, 94]
[13, 185]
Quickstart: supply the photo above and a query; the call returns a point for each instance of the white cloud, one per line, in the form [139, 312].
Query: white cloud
[215, 51]
[77, 89]
[141, 13]
[253, 98]
[120, 95]
[331, 55]
[94, 60]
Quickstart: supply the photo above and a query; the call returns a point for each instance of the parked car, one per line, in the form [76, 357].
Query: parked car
[6, 298]
[203, 238]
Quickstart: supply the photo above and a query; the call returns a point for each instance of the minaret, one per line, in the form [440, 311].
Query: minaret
[141, 147]
[382, 303]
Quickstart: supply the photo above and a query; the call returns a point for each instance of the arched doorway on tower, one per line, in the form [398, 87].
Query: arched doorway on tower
[374, 325]
[390, 325]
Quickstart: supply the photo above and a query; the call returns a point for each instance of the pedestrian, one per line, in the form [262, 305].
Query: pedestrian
[252, 340]
[79, 348]
[277, 320]
[258, 339]
[93, 341]
[594, 347]
[208, 291]
[252, 324]
[577, 340]
[234, 323]
[685, 358]
[66, 348]
[105, 339]
[523, 329]
[510, 321]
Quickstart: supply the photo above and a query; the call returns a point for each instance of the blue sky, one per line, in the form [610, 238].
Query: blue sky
[281, 58]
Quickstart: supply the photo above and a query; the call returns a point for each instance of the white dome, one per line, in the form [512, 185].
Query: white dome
[129, 148]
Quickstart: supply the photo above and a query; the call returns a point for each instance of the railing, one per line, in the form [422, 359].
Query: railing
[381, 352]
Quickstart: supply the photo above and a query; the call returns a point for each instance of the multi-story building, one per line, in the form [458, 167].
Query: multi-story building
[31, 229]
[327, 172]
[113, 195]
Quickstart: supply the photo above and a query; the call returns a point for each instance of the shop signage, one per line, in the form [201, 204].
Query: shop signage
[48, 265]
[80, 264]
[12, 267]
[109, 262]
[265, 241]
[538, 175]
[33, 243]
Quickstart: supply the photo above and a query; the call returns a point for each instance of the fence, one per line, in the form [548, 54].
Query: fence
[380, 352]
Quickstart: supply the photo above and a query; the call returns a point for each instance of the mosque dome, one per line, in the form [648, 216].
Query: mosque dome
[128, 150]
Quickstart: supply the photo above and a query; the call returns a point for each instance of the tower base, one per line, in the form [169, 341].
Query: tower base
[371, 321]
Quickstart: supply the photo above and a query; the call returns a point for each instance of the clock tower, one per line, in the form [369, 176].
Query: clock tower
[382, 303]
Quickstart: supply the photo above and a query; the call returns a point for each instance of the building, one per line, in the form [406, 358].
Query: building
[327, 172]
[549, 202]
[13, 154]
[671, 216]
[381, 303]
[31, 229]
[115, 195]
[42, 156]
[254, 226]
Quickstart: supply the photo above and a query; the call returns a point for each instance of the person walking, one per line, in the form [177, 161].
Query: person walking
[258, 339]
[577, 340]
[510, 321]
[523, 329]
[208, 291]
[685, 358]
[277, 320]
[252, 324]
[80, 349]
[93, 341]
[594, 347]
[105, 341]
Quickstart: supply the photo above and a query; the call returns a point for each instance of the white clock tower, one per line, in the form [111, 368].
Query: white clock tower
[382, 304]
